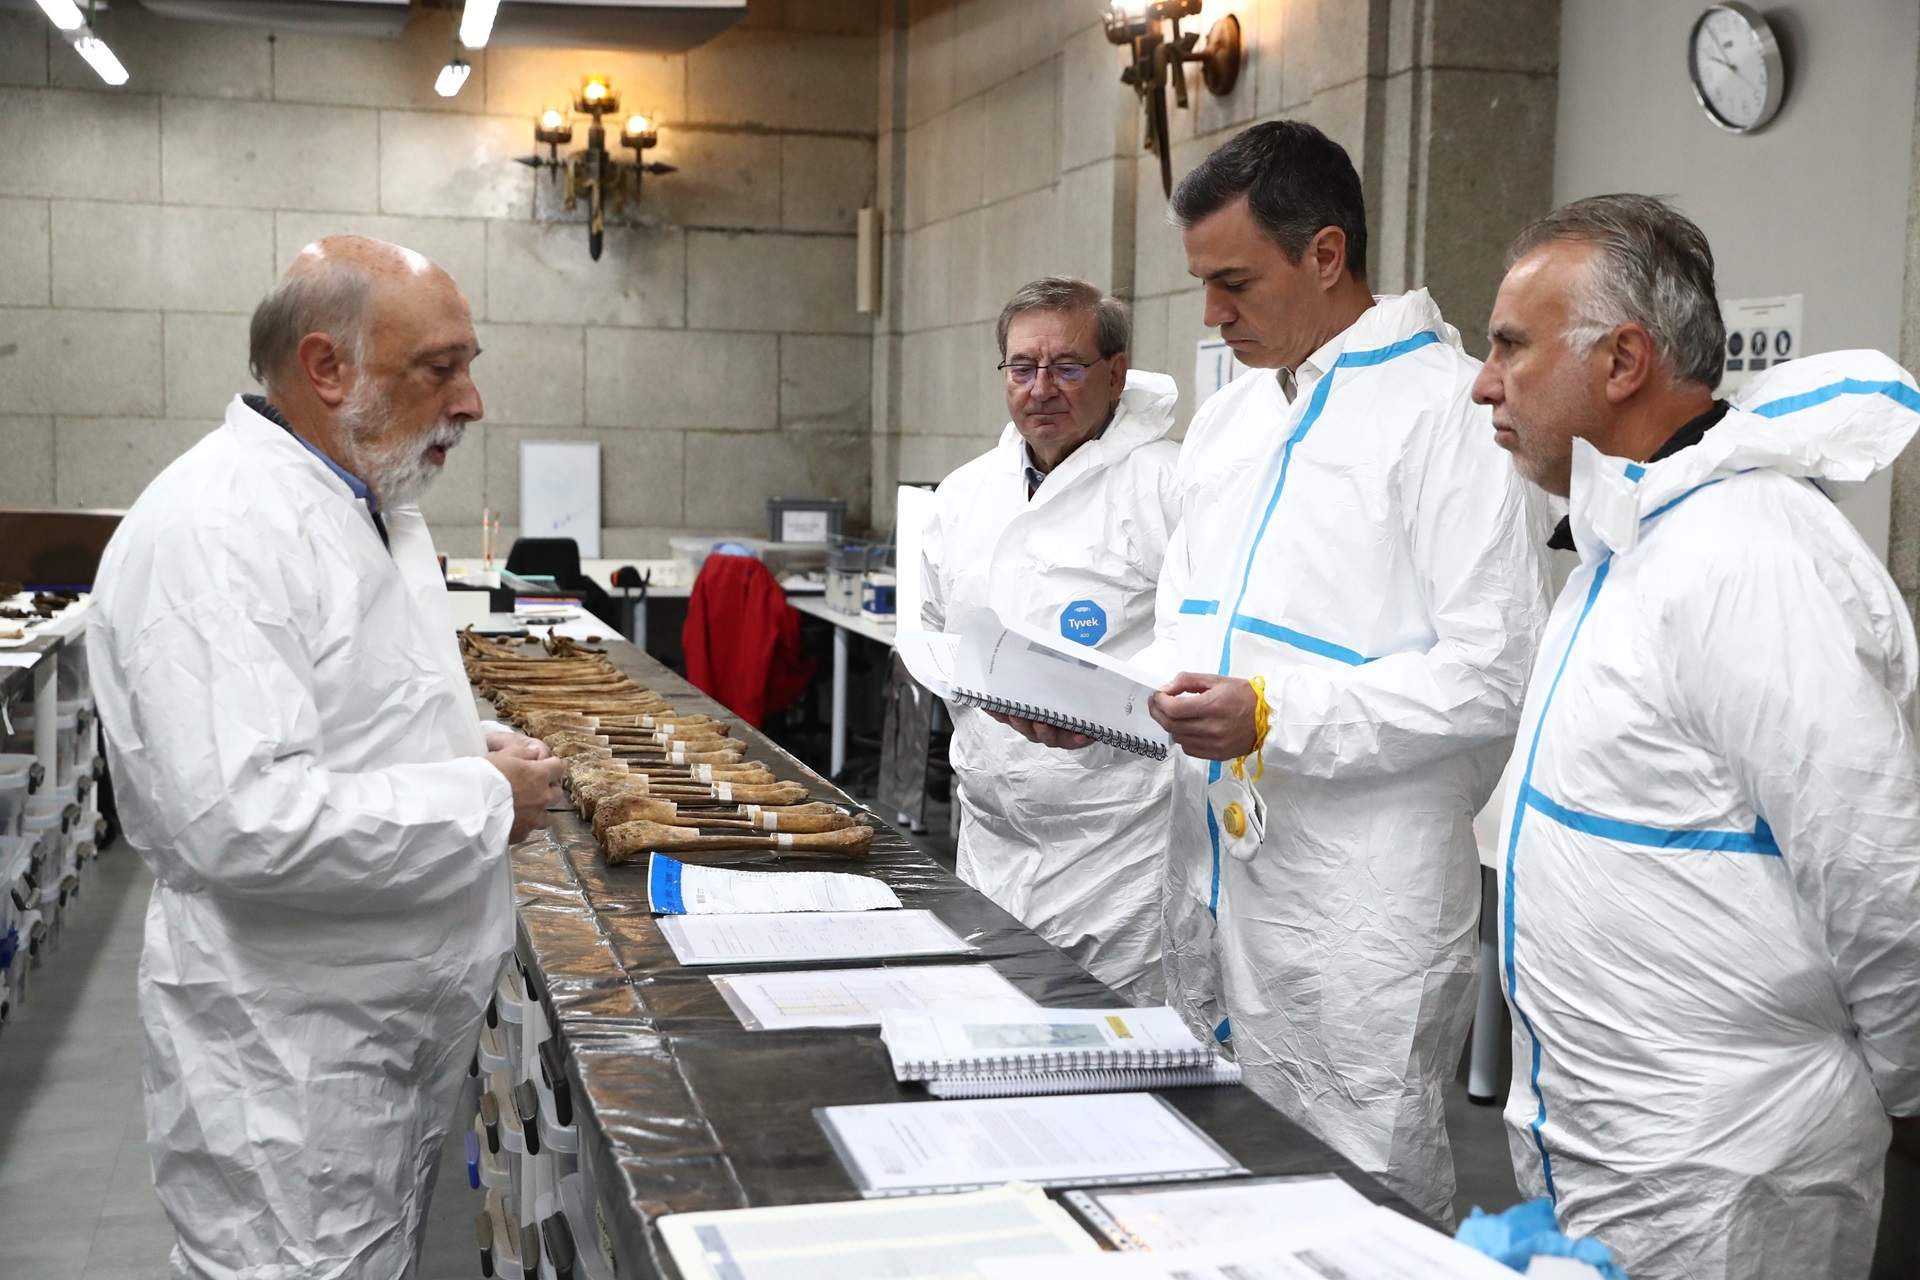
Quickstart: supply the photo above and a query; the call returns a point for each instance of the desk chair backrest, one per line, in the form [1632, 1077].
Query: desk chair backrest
[556, 558]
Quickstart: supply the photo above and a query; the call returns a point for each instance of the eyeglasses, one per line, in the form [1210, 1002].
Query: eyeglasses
[1067, 373]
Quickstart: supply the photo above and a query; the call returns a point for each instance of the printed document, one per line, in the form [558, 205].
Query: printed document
[1376, 1245]
[930, 1238]
[909, 1148]
[858, 997]
[809, 937]
[674, 888]
[1161, 1218]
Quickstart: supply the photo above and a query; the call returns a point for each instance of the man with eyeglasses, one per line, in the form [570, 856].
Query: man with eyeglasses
[1354, 596]
[1062, 525]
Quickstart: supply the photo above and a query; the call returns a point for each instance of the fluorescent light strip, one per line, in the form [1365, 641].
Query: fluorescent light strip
[476, 22]
[64, 14]
[101, 59]
[452, 76]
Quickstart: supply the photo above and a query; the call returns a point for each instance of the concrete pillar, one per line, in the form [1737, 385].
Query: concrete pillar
[1459, 152]
[1903, 549]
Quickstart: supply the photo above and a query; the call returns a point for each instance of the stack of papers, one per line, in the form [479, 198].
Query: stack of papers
[674, 888]
[913, 1148]
[936, 1238]
[858, 997]
[809, 937]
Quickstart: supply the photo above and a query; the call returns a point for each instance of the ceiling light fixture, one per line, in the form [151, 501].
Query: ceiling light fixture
[451, 77]
[101, 59]
[64, 14]
[476, 22]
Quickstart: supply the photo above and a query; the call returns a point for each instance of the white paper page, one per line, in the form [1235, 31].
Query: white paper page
[1022, 667]
[1376, 1245]
[857, 997]
[930, 1238]
[674, 888]
[809, 937]
[1005, 1039]
[900, 1148]
[931, 658]
[1186, 1217]
[28, 660]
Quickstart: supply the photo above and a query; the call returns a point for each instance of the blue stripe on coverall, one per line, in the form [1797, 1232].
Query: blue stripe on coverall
[1316, 405]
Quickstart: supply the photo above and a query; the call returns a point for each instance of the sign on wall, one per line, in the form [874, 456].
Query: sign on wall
[1214, 366]
[1761, 333]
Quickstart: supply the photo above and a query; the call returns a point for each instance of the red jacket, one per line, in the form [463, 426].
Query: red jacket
[742, 639]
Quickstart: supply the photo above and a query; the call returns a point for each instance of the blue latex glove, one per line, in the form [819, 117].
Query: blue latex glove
[1513, 1238]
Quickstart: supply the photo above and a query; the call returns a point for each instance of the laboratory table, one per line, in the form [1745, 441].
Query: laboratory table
[678, 1108]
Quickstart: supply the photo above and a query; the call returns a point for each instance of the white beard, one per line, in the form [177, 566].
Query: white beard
[399, 473]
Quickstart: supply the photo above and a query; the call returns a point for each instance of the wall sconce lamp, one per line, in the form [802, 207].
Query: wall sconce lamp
[1160, 52]
[607, 183]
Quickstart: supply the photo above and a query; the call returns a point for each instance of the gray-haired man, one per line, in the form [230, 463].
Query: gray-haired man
[1062, 525]
[1711, 865]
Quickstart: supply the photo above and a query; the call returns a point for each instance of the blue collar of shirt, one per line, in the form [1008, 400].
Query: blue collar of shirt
[266, 409]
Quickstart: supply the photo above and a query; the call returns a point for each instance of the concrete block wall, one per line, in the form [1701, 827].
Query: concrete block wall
[713, 351]
[1445, 105]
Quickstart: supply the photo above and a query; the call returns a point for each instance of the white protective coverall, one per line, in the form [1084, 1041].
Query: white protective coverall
[1368, 550]
[1071, 842]
[298, 761]
[1711, 865]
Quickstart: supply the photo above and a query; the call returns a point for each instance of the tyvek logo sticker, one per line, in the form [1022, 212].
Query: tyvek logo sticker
[1084, 622]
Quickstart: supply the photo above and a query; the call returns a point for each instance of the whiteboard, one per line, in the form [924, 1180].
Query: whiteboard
[560, 493]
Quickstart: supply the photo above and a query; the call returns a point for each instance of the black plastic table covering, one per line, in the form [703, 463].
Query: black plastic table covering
[681, 1109]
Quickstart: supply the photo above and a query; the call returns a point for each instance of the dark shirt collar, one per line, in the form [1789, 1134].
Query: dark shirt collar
[360, 489]
[1685, 438]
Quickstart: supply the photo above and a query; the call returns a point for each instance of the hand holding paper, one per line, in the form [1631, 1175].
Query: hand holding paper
[1209, 717]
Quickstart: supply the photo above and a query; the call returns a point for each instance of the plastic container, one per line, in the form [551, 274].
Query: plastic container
[19, 779]
[73, 729]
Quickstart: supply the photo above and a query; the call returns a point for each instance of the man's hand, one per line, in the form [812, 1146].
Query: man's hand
[536, 787]
[1045, 734]
[519, 744]
[1210, 717]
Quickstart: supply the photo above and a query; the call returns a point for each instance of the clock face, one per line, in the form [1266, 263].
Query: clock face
[1736, 67]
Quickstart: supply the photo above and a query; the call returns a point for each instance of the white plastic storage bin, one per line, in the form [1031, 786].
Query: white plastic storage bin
[20, 777]
[73, 732]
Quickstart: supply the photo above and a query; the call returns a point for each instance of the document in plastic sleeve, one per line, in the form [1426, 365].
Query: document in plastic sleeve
[674, 888]
[858, 997]
[809, 937]
[1161, 1218]
[1378, 1244]
[932, 1238]
[913, 1148]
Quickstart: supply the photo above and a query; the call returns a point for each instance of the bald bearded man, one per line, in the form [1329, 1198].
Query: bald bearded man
[301, 766]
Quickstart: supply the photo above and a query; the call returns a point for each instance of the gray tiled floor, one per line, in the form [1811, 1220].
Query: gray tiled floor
[76, 1191]
[76, 1196]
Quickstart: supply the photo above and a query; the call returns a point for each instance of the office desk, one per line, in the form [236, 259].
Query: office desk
[844, 625]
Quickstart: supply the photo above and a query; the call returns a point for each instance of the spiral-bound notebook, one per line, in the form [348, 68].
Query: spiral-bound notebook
[1019, 671]
[1013, 1040]
[1036, 1084]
